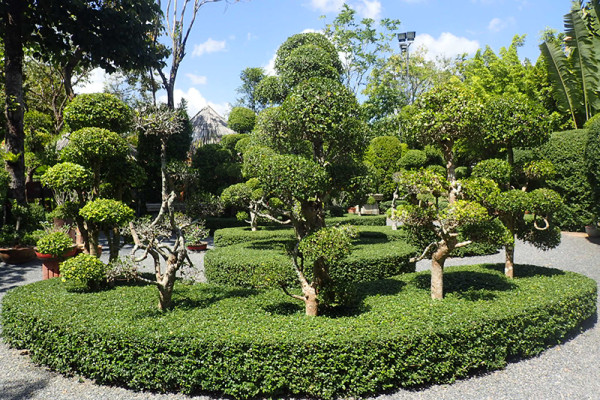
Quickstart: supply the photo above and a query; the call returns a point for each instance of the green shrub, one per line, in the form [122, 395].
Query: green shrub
[54, 243]
[100, 110]
[83, 272]
[358, 220]
[412, 159]
[566, 150]
[249, 343]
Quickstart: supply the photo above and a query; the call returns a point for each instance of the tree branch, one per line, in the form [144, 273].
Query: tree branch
[424, 254]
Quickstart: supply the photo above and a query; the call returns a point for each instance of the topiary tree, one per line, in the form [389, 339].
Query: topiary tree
[423, 211]
[83, 272]
[99, 110]
[412, 159]
[316, 132]
[443, 116]
[105, 215]
[241, 119]
[592, 158]
[103, 152]
[511, 206]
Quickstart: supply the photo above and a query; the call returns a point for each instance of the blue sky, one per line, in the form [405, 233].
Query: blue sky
[227, 38]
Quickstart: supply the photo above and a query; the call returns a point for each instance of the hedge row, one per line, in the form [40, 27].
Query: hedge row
[229, 236]
[259, 259]
[246, 343]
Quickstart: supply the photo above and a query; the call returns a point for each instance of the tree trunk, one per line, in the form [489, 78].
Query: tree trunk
[437, 267]
[94, 242]
[311, 301]
[14, 107]
[509, 265]
[448, 151]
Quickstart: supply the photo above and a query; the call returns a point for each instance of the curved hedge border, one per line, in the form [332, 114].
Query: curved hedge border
[247, 343]
[257, 259]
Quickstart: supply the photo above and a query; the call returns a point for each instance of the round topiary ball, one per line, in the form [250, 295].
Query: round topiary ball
[83, 272]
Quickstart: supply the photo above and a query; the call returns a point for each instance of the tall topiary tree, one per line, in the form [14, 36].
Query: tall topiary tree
[316, 131]
[241, 119]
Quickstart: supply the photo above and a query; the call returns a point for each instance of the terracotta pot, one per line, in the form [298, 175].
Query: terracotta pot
[51, 263]
[17, 255]
[197, 247]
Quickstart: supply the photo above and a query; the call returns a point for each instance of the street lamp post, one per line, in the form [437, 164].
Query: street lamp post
[405, 39]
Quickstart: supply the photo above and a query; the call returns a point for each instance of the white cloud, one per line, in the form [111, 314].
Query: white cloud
[197, 79]
[327, 5]
[196, 101]
[270, 67]
[210, 46]
[369, 9]
[447, 45]
[497, 24]
[364, 8]
[95, 83]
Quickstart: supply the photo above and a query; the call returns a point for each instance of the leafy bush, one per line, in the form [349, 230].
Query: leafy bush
[358, 220]
[83, 272]
[107, 213]
[248, 343]
[241, 119]
[55, 243]
[566, 150]
[413, 159]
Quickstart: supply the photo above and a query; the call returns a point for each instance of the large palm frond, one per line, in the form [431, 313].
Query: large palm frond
[565, 89]
[581, 42]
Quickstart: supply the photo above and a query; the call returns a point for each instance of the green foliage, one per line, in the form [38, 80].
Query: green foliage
[539, 170]
[55, 243]
[545, 201]
[99, 110]
[4, 182]
[241, 119]
[412, 159]
[566, 151]
[311, 39]
[445, 114]
[217, 166]
[382, 154]
[270, 91]
[331, 244]
[83, 272]
[67, 176]
[305, 62]
[497, 170]
[246, 343]
[97, 149]
[512, 202]
[245, 258]
[251, 78]
[107, 213]
[592, 158]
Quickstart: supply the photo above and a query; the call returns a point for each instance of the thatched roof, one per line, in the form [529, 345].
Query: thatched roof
[209, 127]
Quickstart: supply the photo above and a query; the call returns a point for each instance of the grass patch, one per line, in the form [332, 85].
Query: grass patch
[249, 342]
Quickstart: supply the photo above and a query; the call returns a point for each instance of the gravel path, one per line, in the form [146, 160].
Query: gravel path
[568, 371]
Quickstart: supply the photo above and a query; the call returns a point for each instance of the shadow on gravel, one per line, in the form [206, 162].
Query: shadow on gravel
[595, 240]
[22, 389]
[12, 276]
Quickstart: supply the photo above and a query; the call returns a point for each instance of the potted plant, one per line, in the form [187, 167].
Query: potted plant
[16, 247]
[194, 237]
[371, 208]
[53, 247]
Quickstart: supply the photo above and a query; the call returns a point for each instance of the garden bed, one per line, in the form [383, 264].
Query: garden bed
[247, 342]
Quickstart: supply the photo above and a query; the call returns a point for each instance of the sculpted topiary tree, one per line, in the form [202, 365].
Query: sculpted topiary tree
[443, 116]
[423, 191]
[316, 131]
[511, 205]
[105, 215]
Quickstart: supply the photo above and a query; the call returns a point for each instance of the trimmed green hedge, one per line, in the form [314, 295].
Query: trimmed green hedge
[246, 343]
[258, 259]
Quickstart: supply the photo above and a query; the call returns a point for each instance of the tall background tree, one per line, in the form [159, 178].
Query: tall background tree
[54, 29]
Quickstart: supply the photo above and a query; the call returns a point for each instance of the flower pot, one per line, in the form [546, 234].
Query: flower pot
[197, 246]
[51, 263]
[592, 231]
[17, 255]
